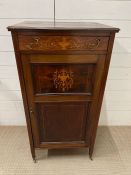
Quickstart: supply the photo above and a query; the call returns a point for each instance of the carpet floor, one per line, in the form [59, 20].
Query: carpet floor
[112, 155]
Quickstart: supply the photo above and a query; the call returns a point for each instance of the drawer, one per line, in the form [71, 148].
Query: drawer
[62, 43]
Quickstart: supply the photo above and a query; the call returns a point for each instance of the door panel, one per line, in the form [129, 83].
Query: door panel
[61, 122]
[62, 78]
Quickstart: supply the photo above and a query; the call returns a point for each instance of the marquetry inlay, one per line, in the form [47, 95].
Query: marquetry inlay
[63, 79]
[63, 43]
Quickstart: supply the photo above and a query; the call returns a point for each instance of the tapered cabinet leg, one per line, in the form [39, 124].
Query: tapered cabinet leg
[91, 153]
[33, 154]
[34, 159]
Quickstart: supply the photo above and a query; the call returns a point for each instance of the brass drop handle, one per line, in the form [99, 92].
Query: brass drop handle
[29, 46]
[95, 44]
[34, 43]
[37, 39]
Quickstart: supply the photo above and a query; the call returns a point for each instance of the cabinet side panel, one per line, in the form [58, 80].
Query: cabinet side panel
[96, 107]
[23, 90]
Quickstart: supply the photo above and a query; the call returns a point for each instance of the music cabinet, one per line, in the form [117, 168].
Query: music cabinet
[62, 70]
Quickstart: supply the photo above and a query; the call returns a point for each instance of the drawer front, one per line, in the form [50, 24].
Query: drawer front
[56, 43]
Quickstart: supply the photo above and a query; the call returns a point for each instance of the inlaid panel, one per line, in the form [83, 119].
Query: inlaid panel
[54, 43]
[63, 78]
[54, 118]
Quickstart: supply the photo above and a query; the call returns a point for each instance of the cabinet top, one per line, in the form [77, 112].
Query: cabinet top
[41, 25]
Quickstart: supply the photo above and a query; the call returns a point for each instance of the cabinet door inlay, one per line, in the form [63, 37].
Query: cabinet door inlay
[63, 79]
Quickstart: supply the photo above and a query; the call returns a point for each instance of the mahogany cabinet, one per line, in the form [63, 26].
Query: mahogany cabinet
[62, 70]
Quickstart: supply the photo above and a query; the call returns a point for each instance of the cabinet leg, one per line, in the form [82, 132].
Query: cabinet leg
[34, 159]
[33, 154]
[91, 153]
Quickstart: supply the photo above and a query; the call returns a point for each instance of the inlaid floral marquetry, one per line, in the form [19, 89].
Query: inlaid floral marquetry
[63, 79]
[53, 43]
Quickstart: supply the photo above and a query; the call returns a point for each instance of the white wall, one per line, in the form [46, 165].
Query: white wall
[116, 109]
[11, 12]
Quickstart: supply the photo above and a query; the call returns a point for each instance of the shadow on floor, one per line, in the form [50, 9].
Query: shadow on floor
[104, 146]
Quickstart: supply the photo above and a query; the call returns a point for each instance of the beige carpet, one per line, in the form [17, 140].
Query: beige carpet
[112, 155]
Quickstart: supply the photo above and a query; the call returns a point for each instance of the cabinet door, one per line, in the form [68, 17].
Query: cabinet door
[60, 89]
[61, 121]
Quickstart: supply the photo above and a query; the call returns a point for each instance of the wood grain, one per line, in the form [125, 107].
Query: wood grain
[62, 99]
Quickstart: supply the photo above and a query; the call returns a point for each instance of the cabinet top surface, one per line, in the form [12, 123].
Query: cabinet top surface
[41, 25]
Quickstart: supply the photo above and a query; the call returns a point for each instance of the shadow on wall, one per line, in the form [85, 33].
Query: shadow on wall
[103, 115]
[121, 45]
[11, 107]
